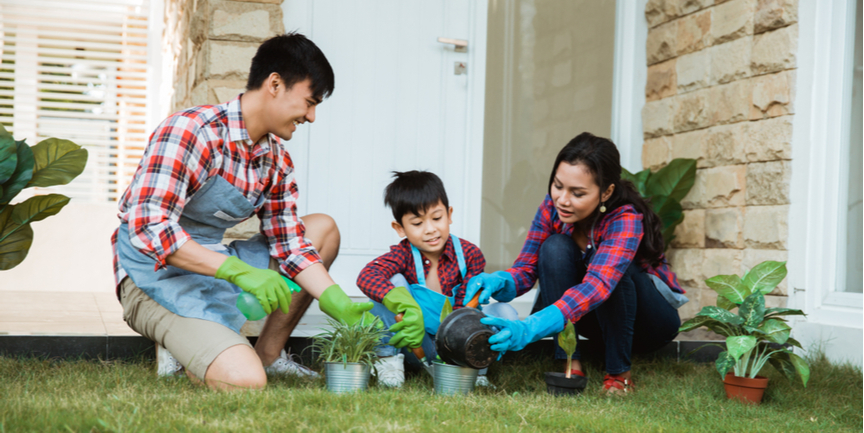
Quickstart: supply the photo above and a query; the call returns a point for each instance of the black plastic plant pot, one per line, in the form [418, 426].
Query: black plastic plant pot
[559, 384]
[464, 341]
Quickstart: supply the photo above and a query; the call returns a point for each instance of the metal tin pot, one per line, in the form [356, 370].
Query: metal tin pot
[346, 378]
[453, 379]
[464, 341]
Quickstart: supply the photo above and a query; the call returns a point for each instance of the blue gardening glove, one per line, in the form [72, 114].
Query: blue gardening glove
[498, 285]
[514, 335]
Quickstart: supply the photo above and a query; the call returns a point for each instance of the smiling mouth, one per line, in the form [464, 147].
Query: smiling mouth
[433, 240]
[564, 212]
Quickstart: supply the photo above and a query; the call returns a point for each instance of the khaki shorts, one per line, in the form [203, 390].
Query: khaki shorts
[195, 343]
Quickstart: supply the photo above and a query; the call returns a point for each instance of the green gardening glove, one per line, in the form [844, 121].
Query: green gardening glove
[336, 304]
[410, 331]
[267, 285]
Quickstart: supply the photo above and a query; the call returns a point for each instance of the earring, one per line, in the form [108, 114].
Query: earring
[602, 207]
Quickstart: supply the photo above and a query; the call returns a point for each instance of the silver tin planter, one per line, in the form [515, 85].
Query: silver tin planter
[453, 379]
[346, 378]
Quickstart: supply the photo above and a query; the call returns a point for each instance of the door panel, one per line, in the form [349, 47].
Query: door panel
[397, 105]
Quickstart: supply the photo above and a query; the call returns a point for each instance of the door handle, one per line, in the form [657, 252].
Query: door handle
[461, 45]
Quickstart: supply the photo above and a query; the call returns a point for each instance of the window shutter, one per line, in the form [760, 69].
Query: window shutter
[77, 70]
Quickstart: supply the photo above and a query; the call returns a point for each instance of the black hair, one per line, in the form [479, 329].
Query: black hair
[414, 192]
[295, 58]
[600, 156]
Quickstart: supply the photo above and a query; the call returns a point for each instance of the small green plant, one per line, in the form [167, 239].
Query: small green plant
[49, 163]
[349, 343]
[446, 309]
[666, 188]
[567, 341]
[755, 335]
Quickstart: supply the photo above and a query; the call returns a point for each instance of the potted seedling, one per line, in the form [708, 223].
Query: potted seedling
[348, 353]
[755, 335]
[563, 383]
[450, 378]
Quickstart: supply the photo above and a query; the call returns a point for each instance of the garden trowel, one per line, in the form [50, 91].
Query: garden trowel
[420, 353]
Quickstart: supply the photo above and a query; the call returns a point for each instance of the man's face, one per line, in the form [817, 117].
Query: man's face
[428, 231]
[290, 107]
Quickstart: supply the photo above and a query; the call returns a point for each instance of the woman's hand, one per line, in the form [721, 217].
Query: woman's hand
[498, 285]
[514, 335]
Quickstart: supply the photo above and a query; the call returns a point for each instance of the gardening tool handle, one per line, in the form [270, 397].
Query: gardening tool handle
[417, 351]
[475, 302]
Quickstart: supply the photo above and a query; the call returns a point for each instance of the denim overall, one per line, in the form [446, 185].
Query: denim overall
[215, 207]
[430, 303]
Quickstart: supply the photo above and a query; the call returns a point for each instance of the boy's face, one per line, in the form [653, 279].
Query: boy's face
[289, 107]
[428, 231]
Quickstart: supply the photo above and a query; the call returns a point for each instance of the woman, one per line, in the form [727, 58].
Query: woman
[597, 247]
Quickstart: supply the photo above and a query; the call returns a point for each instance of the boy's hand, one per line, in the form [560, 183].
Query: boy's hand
[499, 285]
[336, 304]
[267, 285]
[410, 331]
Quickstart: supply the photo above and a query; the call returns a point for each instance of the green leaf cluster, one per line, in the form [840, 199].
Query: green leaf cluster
[755, 335]
[665, 189]
[349, 343]
[49, 163]
[567, 342]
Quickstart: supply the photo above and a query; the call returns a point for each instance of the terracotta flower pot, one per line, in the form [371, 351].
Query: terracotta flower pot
[745, 389]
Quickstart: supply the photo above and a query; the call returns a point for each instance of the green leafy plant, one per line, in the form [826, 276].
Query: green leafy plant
[567, 341]
[49, 163]
[446, 309]
[755, 335]
[349, 343]
[665, 189]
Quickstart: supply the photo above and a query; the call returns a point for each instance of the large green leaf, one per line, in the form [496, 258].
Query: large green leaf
[23, 173]
[694, 323]
[13, 248]
[8, 157]
[752, 310]
[765, 276]
[673, 180]
[772, 312]
[730, 287]
[725, 303]
[721, 315]
[668, 209]
[739, 345]
[793, 342]
[57, 162]
[38, 208]
[791, 365]
[567, 339]
[776, 331]
[801, 367]
[639, 179]
[724, 362]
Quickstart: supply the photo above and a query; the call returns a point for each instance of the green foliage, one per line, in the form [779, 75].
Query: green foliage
[751, 332]
[49, 163]
[446, 309]
[665, 189]
[567, 341]
[349, 343]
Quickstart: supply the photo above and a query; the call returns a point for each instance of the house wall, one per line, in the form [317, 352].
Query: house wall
[720, 89]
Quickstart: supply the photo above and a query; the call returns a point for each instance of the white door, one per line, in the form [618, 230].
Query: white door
[398, 104]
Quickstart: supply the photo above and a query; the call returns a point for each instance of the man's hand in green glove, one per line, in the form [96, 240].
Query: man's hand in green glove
[336, 304]
[410, 331]
[267, 285]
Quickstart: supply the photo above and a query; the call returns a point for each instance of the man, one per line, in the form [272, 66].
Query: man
[206, 169]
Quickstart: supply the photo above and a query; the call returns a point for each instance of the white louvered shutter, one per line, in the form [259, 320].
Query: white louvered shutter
[77, 70]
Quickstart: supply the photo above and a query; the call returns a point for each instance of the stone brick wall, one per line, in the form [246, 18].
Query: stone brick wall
[720, 89]
[211, 43]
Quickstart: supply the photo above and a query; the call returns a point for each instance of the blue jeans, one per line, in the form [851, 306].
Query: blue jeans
[634, 319]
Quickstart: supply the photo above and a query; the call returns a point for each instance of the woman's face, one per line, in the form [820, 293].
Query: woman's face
[575, 193]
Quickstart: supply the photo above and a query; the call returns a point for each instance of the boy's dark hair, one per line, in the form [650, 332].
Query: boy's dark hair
[414, 192]
[295, 58]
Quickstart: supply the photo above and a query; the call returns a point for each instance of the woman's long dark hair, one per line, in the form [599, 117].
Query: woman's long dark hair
[601, 158]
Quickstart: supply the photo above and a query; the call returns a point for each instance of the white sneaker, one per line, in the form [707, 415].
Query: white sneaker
[483, 381]
[166, 364]
[390, 371]
[285, 365]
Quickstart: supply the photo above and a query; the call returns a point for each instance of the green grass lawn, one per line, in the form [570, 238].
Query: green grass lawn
[42, 395]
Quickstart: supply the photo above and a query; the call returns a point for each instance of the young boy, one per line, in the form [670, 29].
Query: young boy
[418, 273]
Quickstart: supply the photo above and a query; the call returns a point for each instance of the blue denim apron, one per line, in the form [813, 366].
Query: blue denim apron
[215, 207]
[432, 302]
